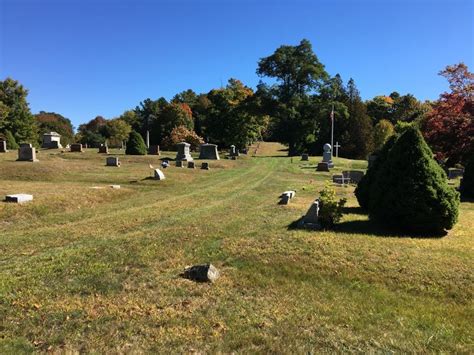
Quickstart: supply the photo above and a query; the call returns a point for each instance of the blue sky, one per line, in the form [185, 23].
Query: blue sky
[88, 58]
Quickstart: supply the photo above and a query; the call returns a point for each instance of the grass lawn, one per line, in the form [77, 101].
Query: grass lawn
[97, 270]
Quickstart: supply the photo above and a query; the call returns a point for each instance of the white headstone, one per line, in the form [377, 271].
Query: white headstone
[159, 175]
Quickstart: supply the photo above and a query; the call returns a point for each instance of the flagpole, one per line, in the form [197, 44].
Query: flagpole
[332, 131]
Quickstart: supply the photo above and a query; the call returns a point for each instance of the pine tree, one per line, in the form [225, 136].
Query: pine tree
[11, 142]
[410, 190]
[136, 144]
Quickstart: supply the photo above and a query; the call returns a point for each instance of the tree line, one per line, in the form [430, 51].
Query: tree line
[293, 103]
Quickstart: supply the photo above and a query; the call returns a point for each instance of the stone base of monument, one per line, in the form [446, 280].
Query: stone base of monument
[201, 273]
[18, 198]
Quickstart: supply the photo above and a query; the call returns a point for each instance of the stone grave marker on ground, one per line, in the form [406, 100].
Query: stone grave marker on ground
[183, 152]
[327, 155]
[453, 173]
[286, 196]
[340, 179]
[3, 146]
[159, 175]
[112, 161]
[322, 167]
[233, 152]
[154, 150]
[27, 152]
[51, 140]
[205, 166]
[208, 151]
[103, 149]
[311, 219]
[191, 165]
[304, 157]
[76, 148]
[179, 164]
[18, 198]
[354, 176]
[201, 273]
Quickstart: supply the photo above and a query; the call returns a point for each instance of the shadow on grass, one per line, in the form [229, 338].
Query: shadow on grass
[467, 199]
[353, 210]
[370, 228]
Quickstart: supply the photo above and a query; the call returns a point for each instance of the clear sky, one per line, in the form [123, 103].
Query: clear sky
[88, 58]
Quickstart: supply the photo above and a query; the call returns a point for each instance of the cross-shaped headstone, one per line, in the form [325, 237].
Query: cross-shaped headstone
[337, 149]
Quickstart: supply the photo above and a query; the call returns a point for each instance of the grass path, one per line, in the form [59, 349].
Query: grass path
[98, 270]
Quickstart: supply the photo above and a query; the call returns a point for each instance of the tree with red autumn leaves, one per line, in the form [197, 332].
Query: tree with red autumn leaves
[449, 127]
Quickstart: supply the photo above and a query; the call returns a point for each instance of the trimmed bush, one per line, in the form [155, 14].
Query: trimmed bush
[410, 190]
[330, 211]
[467, 184]
[362, 190]
[136, 144]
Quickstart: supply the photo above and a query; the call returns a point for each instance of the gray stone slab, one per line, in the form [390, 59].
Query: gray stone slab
[205, 166]
[191, 165]
[158, 175]
[201, 273]
[183, 153]
[18, 198]
[209, 152]
[322, 167]
[112, 161]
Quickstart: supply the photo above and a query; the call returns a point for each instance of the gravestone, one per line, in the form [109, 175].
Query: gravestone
[191, 165]
[208, 151]
[233, 152]
[112, 161]
[3, 146]
[311, 219]
[304, 157]
[205, 166]
[371, 159]
[27, 152]
[233, 157]
[51, 140]
[339, 179]
[201, 273]
[103, 149]
[76, 148]
[453, 173]
[322, 167]
[179, 164]
[327, 155]
[183, 152]
[354, 176]
[159, 175]
[154, 150]
[18, 198]
[286, 196]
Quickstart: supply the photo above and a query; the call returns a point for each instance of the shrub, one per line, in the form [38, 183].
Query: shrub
[410, 190]
[181, 134]
[467, 184]
[136, 144]
[330, 211]
[11, 141]
[362, 190]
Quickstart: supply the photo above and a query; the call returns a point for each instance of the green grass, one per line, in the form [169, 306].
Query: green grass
[97, 270]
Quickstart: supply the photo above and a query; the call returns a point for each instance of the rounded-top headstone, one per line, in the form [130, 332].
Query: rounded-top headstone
[327, 147]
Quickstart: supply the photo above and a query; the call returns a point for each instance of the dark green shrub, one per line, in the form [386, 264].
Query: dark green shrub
[136, 144]
[410, 190]
[330, 211]
[11, 141]
[467, 184]
[363, 187]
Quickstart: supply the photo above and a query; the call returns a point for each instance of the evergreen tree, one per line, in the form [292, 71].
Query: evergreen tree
[17, 116]
[410, 190]
[11, 142]
[467, 185]
[136, 144]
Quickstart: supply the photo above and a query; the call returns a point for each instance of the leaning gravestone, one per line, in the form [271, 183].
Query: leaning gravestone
[112, 161]
[26, 152]
[18, 198]
[208, 151]
[76, 148]
[191, 165]
[103, 149]
[311, 219]
[304, 157]
[183, 152]
[327, 155]
[3, 146]
[154, 150]
[159, 175]
[322, 167]
[286, 196]
[205, 166]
